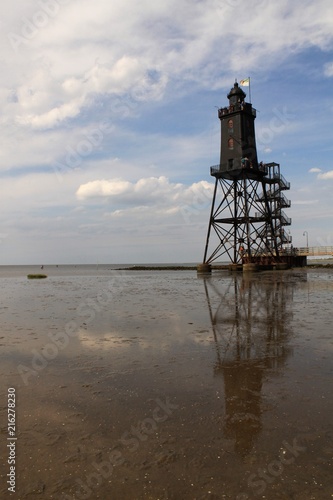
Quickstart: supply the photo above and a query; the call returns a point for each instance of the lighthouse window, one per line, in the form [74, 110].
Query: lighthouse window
[230, 125]
[230, 143]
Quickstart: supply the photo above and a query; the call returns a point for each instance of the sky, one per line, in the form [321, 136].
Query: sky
[109, 126]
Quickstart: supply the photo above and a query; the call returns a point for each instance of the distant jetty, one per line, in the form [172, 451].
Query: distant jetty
[36, 276]
[158, 268]
[325, 263]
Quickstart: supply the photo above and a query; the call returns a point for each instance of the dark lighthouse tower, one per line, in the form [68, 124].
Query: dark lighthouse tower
[247, 222]
[237, 133]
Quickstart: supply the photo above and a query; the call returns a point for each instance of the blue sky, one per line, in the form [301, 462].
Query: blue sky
[109, 121]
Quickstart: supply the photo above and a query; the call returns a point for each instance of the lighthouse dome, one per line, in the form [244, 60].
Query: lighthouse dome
[236, 94]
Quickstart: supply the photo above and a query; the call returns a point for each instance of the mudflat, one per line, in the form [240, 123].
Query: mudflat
[164, 385]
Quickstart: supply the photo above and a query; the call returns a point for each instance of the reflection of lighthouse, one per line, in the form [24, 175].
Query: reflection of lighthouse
[251, 327]
[242, 388]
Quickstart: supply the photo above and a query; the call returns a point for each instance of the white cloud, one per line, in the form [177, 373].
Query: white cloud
[157, 191]
[114, 48]
[53, 117]
[305, 202]
[103, 188]
[326, 175]
[328, 69]
[314, 170]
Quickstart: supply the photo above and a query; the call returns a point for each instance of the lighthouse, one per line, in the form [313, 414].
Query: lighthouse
[247, 220]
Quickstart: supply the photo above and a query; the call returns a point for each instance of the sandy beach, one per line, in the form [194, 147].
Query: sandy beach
[163, 385]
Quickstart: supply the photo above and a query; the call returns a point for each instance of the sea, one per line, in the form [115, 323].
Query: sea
[164, 384]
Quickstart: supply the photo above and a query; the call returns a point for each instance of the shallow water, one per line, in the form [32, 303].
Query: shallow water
[168, 386]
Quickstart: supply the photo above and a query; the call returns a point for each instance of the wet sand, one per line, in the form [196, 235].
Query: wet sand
[168, 386]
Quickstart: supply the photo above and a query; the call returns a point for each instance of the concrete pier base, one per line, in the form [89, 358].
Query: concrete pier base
[281, 266]
[204, 269]
[234, 267]
[250, 268]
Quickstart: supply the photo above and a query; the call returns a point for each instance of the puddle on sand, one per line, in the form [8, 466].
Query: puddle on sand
[172, 386]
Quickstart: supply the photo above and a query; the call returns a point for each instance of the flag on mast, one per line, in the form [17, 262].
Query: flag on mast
[245, 83]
